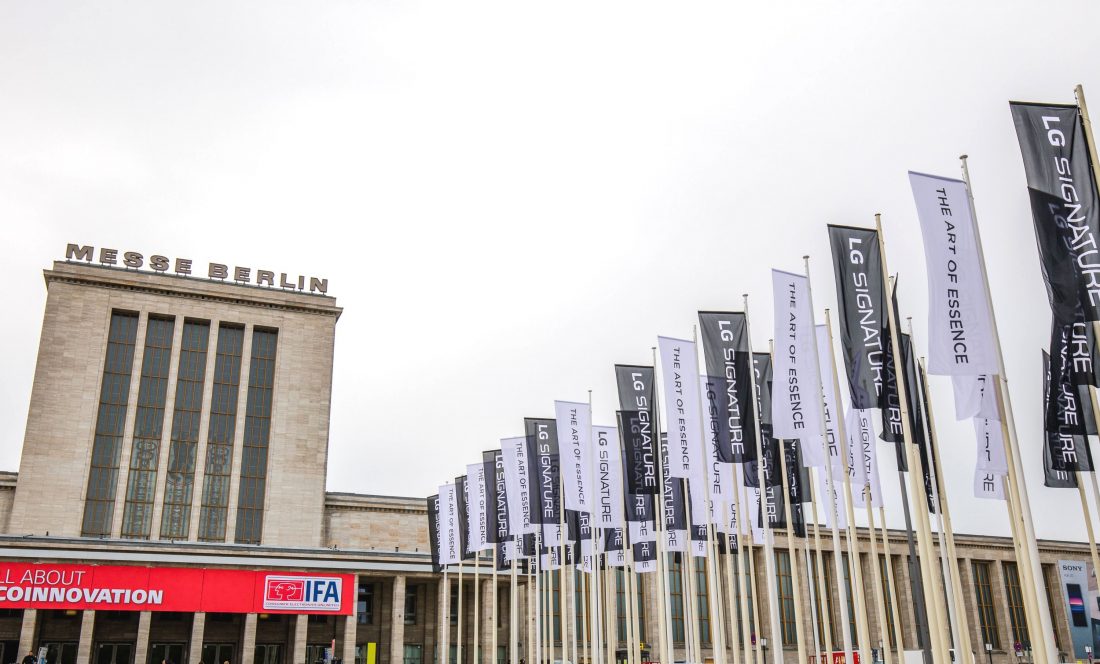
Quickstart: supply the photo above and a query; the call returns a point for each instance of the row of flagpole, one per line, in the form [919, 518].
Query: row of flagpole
[697, 505]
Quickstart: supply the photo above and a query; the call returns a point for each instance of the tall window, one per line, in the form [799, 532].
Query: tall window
[786, 597]
[825, 605]
[257, 433]
[454, 610]
[99, 503]
[1048, 574]
[364, 604]
[219, 439]
[620, 606]
[1015, 598]
[676, 599]
[848, 589]
[141, 486]
[983, 595]
[884, 578]
[702, 601]
[740, 566]
[410, 605]
[175, 523]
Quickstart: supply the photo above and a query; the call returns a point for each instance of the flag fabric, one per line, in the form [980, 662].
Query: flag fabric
[497, 505]
[863, 439]
[542, 450]
[728, 362]
[1071, 411]
[797, 486]
[975, 397]
[477, 500]
[679, 368]
[960, 329]
[1066, 448]
[861, 299]
[517, 484]
[989, 486]
[853, 450]
[718, 475]
[574, 428]
[829, 444]
[893, 431]
[675, 508]
[433, 531]
[461, 495]
[831, 500]
[1064, 205]
[639, 455]
[1056, 478]
[449, 540]
[796, 408]
[991, 447]
[608, 479]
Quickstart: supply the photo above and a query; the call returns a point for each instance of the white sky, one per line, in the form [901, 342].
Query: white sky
[509, 198]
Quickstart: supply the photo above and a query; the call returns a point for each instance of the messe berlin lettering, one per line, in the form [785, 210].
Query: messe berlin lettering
[185, 267]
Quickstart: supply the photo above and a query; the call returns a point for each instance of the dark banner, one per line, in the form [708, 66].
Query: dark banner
[613, 539]
[433, 531]
[542, 451]
[892, 429]
[728, 362]
[1064, 205]
[798, 481]
[463, 517]
[496, 508]
[1065, 449]
[645, 552]
[928, 466]
[1071, 412]
[674, 504]
[639, 455]
[861, 298]
[762, 365]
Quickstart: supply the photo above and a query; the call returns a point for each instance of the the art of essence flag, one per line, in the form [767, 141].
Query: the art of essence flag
[517, 484]
[975, 397]
[433, 531]
[574, 424]
[796, 409]
[960, 333]
[608, 480]
[1064, 205]
[449, 539]
[861, 298]
[477, 501]
[679, 367]
[542, 448]
[728, 363]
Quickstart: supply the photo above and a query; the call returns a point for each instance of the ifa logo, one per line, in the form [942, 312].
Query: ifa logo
[302, 593]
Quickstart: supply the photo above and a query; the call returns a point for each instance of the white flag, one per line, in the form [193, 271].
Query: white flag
[615, 558]
[975, 396]
[551, 559]
[719, 474]
[517, 485]
[641, 531]
[857, 472]
[449, 553]
[960, 336]
[989, 485]
[574, 449]
[697, 497]
[813, 450]
[796, 406]
[679, 368]
[608, 478]
[476, 498]
[867, 454]
[831, 501]
[676, 540]
[991, 447]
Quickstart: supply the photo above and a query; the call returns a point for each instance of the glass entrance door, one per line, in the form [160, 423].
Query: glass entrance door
[60, 652]
[168, 653]
[217, 653]
[269, 653]
[114, 653]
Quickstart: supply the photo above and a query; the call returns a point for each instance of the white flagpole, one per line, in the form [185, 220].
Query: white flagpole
[667, 647]
[846, 633]
[495, 616]
[811, 588]
[769, 534]
[792, 557]
[744, 548]
[1016, 489]
[458, 635]
[513, 613]
[822, 588]
[477, 607]
[895, 610]
[444, 621]
[876, 569]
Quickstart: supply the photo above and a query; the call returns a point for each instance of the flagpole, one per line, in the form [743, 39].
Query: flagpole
[444, 620]
[495, 616]
[661, 525]
[846, 632]
[812, 589]
[458, 635]
[714, 593]
[769, 534]
[513, 614]
[735, 613]
[924, 531]
[631, 581]
[822, 589]
[962, 620]
[742, 583]
[477, 605]
[1027, 549]
[792, 555]
[855, 573]
[757, 655]
[895, 610]
[876, 569]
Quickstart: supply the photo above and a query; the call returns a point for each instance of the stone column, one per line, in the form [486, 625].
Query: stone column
[397, 621]
[198, 629]
[532, 624]
[28, 631]
[443, 613]
[488, 622]
[906, 611]
[141, 647]
[248, 639]
[298, 652]
[351, 624]
[1000, 600]
[84, 646]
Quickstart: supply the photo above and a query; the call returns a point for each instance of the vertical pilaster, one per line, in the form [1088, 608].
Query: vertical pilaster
[488, 622]
[301, 627]
[84, 645]
[397, 622]
[248, 639]
[443, 611]
[141, 646]
[198, 629]
[27, 631]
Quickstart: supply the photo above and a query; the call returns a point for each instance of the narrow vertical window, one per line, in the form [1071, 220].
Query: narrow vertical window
[179, 485]
[99, 503]
[786, 597]
[1015, 597]
[141, 484]
[983, 595]
[702, 602]
[676, 599]
[825, 605]
[851, 605]
[219, 438]
[1048, 573]
[257, 434]
[884, 578]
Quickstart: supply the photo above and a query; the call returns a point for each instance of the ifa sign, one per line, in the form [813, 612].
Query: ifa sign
[302, 593]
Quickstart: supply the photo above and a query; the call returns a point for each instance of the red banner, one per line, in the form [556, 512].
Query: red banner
[189, 589]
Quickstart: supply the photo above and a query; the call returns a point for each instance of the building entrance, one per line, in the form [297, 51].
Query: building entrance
[218, 653]
[60, 652]
[168, 653]
[114, 653]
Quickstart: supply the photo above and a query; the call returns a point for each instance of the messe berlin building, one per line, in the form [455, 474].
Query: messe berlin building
[170, 504]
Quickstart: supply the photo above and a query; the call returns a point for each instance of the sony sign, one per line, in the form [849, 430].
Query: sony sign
[184, 267]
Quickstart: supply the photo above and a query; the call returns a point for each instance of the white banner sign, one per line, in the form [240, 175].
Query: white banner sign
[960, 337]
[863, 434]
[517, 485]
[449, 553]
[988, 485]
[679, 368]
[476, 498]
[796, 404]
[574, 449]
[831, 501]
[608, 478]
[991, 447]
[975, 396]
[814, 451]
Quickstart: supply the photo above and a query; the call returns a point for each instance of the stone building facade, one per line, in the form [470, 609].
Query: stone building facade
[181, 423]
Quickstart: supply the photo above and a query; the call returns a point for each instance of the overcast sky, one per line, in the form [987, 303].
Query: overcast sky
[509, 198]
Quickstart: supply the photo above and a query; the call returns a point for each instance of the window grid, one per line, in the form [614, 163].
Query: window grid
[1015, 597]
[1048, 573]
[983, 595]
[786, 598]
[114, 394]
[410, 605]
[620, 606]
[702, 602]
[827, 579]
[179, 484]
[257, 434]
[676, 599]
[220, 432]
[884, 579]
[848, 589]
[364, 606]
[740, 566]
[141, 484]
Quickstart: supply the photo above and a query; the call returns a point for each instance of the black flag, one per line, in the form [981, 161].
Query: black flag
[675, 517]
[1067, 449]
[1064, 205]
[861, 298]
[639, 455]
[433, 531]
[463, 517]
[1071, 412]
[728, 362]
[541, 436]
[892, 429]
[496, 508]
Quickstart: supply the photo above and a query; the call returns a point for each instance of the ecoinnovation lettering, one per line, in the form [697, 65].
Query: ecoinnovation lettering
[185, 267]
